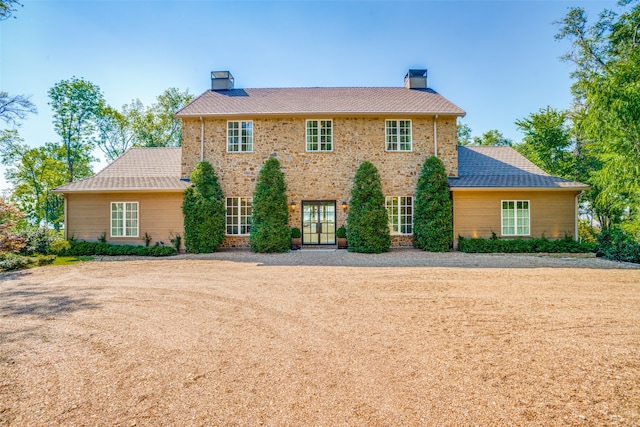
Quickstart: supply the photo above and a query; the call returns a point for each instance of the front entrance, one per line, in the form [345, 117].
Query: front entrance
[319, 223]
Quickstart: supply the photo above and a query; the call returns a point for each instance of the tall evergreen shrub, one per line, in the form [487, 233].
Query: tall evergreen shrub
[433, 209]
[270, 216]
[367, 220]
[203, 209]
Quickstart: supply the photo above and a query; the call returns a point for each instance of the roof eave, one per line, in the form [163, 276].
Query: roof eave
[575, 189]
[322, 114]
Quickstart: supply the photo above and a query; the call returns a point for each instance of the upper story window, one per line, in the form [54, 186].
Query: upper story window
[124, 219]
[515, 218]
[398, 135]
[240, 136]
[400, 213]
[319, 135]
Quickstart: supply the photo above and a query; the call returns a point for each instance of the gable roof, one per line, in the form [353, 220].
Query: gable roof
[503, 167]
[139, 169]
[318, 101]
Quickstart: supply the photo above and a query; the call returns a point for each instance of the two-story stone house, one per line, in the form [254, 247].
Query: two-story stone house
[321, 136]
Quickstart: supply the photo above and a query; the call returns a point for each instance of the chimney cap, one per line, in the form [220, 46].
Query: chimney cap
[416, 79]
[221, 80]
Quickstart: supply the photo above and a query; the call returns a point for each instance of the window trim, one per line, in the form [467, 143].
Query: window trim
[515, 218]
[239, 136]
[306, 136]
[387, 206]
[397, 142]
[238, 224]
[124, 227]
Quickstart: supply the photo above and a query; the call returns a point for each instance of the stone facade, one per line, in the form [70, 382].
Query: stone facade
[325, 176]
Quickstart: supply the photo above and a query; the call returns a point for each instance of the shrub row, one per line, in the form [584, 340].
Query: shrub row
[618, 245]
[537, 245]
[78, 248]
[11, 261]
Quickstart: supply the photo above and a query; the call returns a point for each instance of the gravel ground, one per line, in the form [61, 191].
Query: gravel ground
[322, 338]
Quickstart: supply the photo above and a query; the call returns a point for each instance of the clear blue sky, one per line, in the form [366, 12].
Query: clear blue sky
[498, 60]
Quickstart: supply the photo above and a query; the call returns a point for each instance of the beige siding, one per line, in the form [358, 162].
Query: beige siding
[478, 213]
[159, 214]
[318, 175]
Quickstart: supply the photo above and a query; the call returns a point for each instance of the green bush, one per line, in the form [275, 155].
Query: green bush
[433, 209]
[39, 240]
[204, 211]
[295, 233]
[79, 248]
[618, 245]
[341, 232]
[270, 215]
[11, 261]
[367, 220]
[535, 245]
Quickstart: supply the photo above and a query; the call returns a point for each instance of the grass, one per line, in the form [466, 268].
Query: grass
[68, 260]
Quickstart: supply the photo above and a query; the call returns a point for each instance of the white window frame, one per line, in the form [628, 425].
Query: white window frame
[129, 216]
[521, 223]
[393, 140]
[402, 208]
[235, 219]
[240, 136]
[320, 125]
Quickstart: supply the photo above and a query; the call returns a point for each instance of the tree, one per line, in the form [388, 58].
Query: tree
[606, 90]
[34, 173]
[367, 220]
[76, 104]
[433, 209]
[463, 132]
[204, 211]
[492, 138]
[270, 215]
[155, 126]
[7, 7]
[115, 134]
[14, 108]
[9, 216]
[547, 141]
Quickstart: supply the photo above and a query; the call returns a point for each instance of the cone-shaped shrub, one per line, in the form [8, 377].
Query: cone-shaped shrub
[433, 209]
[367, 221]
[270, 215]
[203, 210]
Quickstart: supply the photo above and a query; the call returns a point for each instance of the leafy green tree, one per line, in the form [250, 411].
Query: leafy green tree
[492, 138]
[547, 141]
[367, 220]
[463, 132]
[204, 211]
[433, 209]
[34, 173]
[155, 126]
[76, 104]
[607, 70]
[270, 215]
[115, 134]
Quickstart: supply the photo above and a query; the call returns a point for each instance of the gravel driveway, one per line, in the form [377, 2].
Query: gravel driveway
[322, 338]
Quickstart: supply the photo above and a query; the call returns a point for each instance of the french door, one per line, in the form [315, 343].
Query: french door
[319, 222]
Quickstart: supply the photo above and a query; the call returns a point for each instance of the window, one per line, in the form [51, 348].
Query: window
[319, 135]
[124, 219]
[515, 218]
[240, 136]
[238, 215]
[400, 212]
[398, 135]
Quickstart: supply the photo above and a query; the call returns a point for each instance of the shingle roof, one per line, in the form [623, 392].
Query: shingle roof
[503, 167]
[139, 169]
[281, 101]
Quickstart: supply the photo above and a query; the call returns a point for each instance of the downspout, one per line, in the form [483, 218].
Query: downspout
[201, 139]
[576, 237]
[66, 223]
[435, 135]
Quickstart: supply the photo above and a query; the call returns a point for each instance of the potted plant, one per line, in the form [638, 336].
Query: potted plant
[296, 238]
[341, 234]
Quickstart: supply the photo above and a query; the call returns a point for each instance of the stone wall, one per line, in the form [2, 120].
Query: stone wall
[319, 175]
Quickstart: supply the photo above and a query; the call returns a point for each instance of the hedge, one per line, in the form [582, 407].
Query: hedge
[78, 248]
[535, 245]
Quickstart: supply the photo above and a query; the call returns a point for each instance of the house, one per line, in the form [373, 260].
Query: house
[321, 136]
